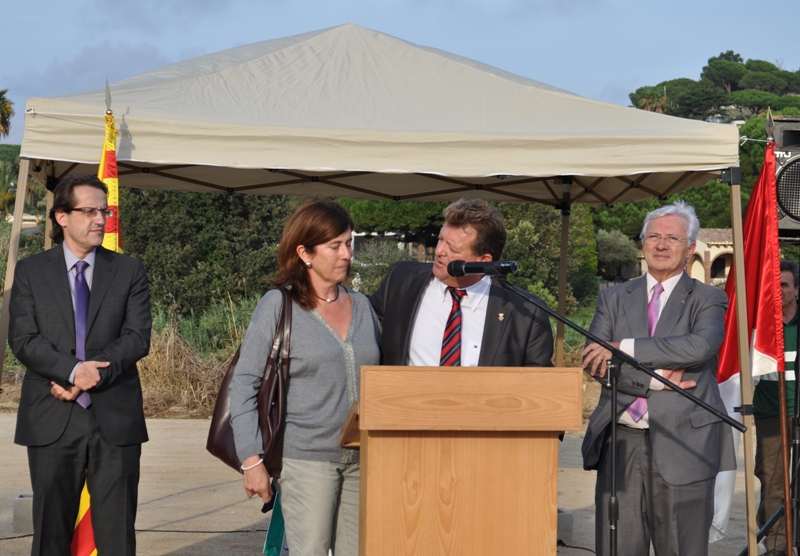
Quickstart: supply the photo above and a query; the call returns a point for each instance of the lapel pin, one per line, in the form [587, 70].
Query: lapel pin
[501, 316]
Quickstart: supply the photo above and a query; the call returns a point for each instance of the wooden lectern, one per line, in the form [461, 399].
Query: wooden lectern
[462, 460]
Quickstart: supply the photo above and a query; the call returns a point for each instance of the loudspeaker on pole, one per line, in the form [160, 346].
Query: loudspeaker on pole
[787, 167]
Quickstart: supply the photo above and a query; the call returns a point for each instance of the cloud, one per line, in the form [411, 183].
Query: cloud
[87, 71]
[469, 9]
[614, 93]
[151, 17]
[191, 52]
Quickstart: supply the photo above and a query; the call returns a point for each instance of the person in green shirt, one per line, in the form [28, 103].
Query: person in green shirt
[769, 463]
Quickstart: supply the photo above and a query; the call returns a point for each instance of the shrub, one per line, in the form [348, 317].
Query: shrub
[372, 262]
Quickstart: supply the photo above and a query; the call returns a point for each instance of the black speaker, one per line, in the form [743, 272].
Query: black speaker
[787, 167]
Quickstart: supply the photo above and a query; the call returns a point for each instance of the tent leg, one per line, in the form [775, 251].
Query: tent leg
[562, 274]
[744, 365]
[48, 227]
[13, 251]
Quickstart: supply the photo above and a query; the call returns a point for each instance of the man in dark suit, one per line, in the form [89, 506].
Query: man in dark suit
[419, 303]
[669, 450]
[80, 320]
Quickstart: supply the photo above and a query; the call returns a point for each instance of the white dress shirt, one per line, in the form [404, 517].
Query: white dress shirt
[431, 319]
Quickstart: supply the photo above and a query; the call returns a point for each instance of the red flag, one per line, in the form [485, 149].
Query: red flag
[762, 273]
[762, 270]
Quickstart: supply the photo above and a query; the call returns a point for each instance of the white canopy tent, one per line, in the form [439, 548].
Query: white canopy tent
[347, 111]
[352, 112]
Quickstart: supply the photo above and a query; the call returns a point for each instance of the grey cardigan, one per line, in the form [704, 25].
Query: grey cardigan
[323, 378]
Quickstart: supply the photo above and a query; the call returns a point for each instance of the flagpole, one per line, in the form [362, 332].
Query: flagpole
[734, 175]
[787, 491]
[566, 184]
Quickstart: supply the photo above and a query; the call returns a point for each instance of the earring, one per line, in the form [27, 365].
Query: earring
[308, 264]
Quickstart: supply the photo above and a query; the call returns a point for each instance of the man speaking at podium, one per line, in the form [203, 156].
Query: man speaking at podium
[431, 318]
[669, 450]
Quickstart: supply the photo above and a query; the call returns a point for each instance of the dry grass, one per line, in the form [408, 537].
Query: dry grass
[9, 399]
[176, 380]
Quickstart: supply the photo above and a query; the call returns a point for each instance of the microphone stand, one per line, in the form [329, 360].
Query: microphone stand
[612, 379]
[612, 372]
[795, 438]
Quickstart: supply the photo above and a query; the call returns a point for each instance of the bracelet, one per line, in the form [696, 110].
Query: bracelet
[259, 462]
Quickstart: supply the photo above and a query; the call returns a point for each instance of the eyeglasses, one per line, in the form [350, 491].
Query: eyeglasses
[92, 212]
[672, 241]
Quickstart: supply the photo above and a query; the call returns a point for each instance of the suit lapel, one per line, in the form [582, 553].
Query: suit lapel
[635, 308]
[59, 286]
[675, 305]
[104, 271]
[493, 327]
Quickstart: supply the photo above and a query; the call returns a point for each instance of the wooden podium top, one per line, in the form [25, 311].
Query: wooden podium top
[471, 398]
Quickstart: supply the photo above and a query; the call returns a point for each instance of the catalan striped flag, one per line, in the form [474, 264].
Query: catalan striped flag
[107, 172]
[83, 538]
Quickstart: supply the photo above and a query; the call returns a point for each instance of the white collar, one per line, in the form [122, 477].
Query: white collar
[669, 284]
[475, 292]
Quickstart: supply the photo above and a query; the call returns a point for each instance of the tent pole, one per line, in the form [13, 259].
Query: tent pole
[48, 227]
[744, 359]
[13, 251]
[566, 185]
[50, 185]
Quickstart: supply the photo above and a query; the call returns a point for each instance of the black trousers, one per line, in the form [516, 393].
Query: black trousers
[58, 472]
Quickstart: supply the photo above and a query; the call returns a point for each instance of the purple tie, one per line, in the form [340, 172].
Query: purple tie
[639, 406]
[81, 310]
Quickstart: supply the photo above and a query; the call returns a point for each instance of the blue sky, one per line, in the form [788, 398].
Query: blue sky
[601, 49]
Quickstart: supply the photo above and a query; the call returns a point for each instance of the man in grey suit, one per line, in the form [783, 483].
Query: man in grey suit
[669, 450]
[80, 320]
[416, 303]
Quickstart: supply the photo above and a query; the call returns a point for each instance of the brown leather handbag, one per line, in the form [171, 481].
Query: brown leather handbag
[271, 401]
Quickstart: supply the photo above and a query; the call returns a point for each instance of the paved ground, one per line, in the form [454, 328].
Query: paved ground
[184, 489]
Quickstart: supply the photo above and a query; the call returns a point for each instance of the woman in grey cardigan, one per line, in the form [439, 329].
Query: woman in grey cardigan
[334, 333]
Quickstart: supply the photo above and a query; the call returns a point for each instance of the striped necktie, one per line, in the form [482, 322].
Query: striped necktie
[451, 342]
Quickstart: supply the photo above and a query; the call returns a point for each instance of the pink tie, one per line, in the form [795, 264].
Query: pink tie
[639, 406]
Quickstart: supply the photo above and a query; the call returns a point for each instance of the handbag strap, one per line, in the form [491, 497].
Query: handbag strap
[286, 334]
[281, 340]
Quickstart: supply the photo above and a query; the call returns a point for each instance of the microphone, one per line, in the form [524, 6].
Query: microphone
[494, 268]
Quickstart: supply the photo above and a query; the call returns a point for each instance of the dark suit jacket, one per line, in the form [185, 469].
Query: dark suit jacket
[689, 443]
[522, 339]
[42, 337]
